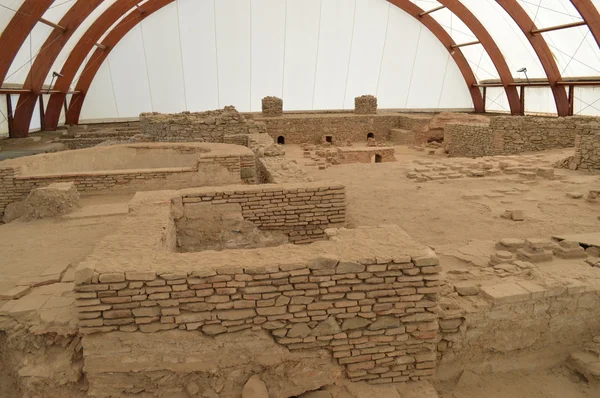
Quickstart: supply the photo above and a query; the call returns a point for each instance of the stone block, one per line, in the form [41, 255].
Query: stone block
[505, 293]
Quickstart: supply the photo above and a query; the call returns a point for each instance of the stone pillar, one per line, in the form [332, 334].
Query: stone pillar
[272, 106]
[365, 105]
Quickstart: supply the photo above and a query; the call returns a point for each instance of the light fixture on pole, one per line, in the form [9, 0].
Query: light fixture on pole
[54, 76]
[524, 70]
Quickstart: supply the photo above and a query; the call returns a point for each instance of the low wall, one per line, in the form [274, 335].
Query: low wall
[369, 296]
[302, 211]
[211, 126]
[207, 165]
[516, 316]
[312, 128]
[509, 135]
[365, 155]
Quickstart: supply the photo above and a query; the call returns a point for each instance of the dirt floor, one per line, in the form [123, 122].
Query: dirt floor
[557, 382]
[442, 212]
[48, 247]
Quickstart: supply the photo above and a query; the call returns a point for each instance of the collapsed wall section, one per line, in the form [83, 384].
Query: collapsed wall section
[211, 126]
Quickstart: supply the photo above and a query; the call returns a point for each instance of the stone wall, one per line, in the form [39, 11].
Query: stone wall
[365, 155]
[211, 126]
[365, 105]
[209, 169]
[369, 296]
[470, 140]
[272, 106]
[510, 135]
[313, 128]
[302, 211]
[587, 147]
[510, 317]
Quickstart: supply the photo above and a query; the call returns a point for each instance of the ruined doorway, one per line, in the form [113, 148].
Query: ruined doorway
[281, 140]
[377, 158]
[370, 135]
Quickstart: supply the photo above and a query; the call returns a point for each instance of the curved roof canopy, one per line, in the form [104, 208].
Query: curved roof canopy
[56, 49]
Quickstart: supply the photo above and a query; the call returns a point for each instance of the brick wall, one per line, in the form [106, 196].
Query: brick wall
[211, 126]
[324, 303]
[509, 135]
[303, 211]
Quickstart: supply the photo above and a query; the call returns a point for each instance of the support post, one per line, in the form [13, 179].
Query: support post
[9, 110]
[42, 124]
[484, 98]
[571, 100]
[522, 100]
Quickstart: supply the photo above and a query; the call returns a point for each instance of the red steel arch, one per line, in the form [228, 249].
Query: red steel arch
[120, 30]
[31, 12]
[98, 57]
[490, 46]
[77, 56]
[443, 36]
[526, 24]
[17, 30]
[590, 15]
[43, 62]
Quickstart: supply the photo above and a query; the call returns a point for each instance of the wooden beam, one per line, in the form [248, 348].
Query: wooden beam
[558, 27]
[52, 24]
[432, 10]
[471, 43]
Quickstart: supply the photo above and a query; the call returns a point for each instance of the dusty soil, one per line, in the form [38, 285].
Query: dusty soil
[557, 382]
[436, 212]
[33, 248]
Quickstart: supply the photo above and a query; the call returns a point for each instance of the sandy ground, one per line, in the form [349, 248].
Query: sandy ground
[30, 249]
[436, 212]
[558, 382]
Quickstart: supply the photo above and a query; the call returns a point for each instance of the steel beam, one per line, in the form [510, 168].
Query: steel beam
[590, 15]
[78, 55]
[526, 24]
[558, 27]
[17, 30]
[44, 61]
[110, 41]
[440, 33]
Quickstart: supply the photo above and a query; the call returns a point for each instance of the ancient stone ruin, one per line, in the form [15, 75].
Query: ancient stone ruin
[365, 105]
[272, 106]
[329, 255]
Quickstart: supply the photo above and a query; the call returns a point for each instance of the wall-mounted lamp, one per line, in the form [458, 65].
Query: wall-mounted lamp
[54, 76]
[524, 70]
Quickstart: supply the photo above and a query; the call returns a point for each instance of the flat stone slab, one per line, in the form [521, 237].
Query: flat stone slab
[587, 239]
[14, 293]
[506, 293]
